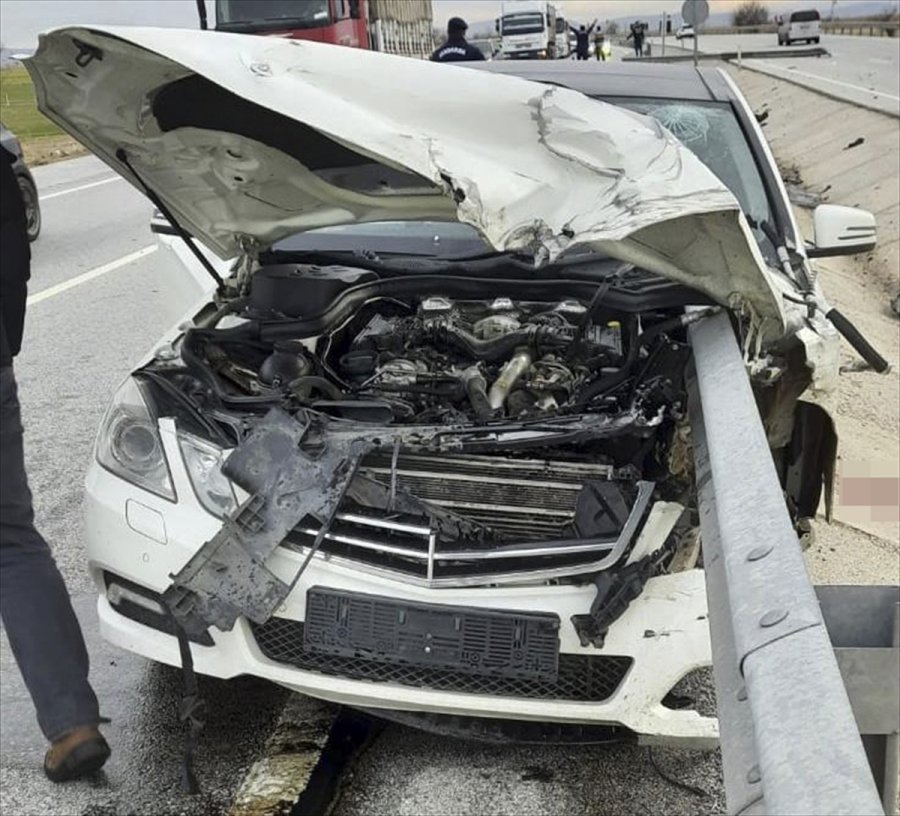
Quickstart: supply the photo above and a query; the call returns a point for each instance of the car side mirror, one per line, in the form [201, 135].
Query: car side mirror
[841, 231]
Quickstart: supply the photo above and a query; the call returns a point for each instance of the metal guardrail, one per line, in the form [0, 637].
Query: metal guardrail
[863, 28]
[781, 53]
[789, 740]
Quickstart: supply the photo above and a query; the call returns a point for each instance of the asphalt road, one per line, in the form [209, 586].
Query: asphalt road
[100, 296]
[859, 69]
[80, 342]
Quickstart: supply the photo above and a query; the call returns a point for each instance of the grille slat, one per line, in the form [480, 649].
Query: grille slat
[581, 678]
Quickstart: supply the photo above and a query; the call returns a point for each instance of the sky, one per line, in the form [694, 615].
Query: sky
[21, 20]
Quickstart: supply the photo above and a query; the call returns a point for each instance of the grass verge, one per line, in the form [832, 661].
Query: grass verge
[42, 141]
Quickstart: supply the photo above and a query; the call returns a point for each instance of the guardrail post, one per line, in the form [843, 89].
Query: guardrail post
[764, 615]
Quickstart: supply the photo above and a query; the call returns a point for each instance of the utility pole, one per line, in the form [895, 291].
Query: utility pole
[665, 15]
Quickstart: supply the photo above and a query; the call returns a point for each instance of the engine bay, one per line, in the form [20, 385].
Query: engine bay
[428, 358]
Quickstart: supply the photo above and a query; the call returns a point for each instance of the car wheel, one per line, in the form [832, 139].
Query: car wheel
[32, 207]
[816, 40]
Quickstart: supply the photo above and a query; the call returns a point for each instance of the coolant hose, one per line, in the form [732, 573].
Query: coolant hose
[476, 389]
[302, 387]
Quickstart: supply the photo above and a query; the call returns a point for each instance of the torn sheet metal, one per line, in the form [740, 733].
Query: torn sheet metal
[250, 139]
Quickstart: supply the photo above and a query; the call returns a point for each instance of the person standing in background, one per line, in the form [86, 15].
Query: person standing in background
[43, 632]
[637, 33]
[583, 40]
[456, 48]
[602, 47]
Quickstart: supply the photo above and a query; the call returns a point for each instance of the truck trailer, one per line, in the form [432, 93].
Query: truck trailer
[394, 26]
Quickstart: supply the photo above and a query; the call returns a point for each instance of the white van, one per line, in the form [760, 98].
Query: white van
[799, 25]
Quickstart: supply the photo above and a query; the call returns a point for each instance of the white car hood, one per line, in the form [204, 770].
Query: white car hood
[337, 135]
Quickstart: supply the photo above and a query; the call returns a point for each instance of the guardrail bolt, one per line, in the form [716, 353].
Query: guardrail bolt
[753, 775]
[760, 552]
[772, 617]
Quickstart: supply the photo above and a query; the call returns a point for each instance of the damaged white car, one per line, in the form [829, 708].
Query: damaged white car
[425, 448]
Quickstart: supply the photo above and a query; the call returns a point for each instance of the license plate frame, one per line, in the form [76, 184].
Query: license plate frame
[488, 642]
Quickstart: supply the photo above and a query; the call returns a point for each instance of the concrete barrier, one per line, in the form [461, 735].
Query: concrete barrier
[844, 155]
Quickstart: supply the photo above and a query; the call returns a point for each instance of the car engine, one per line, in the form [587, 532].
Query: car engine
[436, 359]
[454, 361]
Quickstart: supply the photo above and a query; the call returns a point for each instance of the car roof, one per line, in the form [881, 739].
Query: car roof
[626, 78]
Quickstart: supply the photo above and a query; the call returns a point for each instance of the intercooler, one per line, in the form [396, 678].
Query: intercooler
[529, 503]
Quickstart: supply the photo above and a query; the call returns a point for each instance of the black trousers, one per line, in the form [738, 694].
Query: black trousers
[40, 623]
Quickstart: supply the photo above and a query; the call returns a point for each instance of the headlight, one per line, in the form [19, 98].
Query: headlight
[129, 444]
[203, 462]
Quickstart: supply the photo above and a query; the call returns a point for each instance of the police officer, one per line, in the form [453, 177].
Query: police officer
[456, 49]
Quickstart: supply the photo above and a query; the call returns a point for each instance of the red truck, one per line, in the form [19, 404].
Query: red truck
[396, 26]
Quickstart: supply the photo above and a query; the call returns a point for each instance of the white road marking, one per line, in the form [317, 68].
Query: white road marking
[795, 72]
[82, 187]
[84, 277]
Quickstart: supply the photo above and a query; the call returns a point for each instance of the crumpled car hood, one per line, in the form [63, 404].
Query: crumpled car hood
[249, 139]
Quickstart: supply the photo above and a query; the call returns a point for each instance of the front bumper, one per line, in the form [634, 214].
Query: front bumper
[664, 631]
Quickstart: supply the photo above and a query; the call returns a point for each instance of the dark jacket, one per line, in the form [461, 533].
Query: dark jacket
[456, 49]
[582, 38]
[15, 260]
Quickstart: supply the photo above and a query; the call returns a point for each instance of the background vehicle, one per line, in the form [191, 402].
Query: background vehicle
[799, 25]
[395, 26]
[686, 31]
[527, 29]
[26, 182]
[563, 43]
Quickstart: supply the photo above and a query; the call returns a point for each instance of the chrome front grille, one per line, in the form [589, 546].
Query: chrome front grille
[530, 502]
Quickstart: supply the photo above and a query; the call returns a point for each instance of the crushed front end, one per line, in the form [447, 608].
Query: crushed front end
[421, 494]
